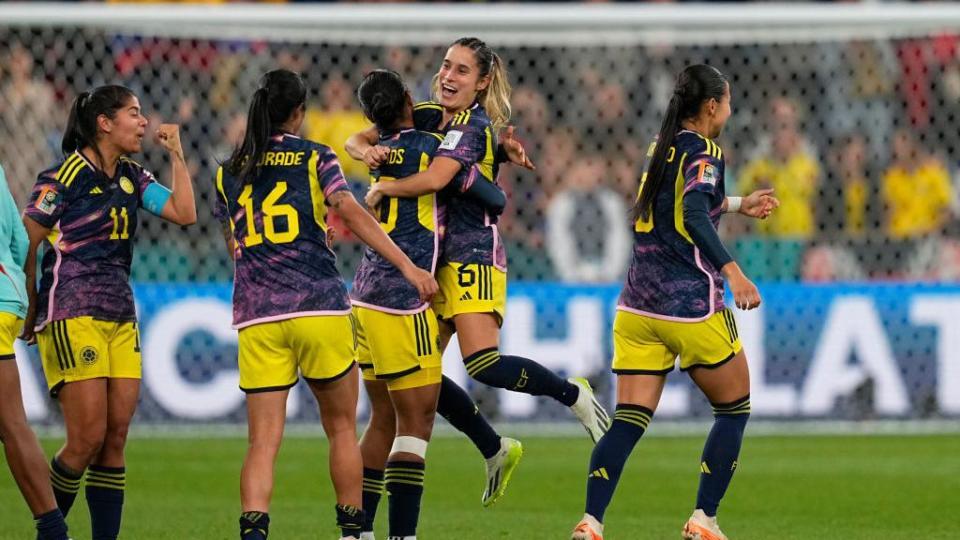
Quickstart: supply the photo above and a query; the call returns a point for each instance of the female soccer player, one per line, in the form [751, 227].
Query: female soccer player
[672, 303]
[85, 212]
[20, 445]
[473, 102]
[399, 337]
[290, 304]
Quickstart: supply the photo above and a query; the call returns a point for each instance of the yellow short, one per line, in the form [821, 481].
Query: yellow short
[322, 348]
[403, 350]
[470, 288]
[645, 345]
[85, 348]
[10, 326]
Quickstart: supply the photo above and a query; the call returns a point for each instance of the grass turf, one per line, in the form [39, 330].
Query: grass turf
[819, 487]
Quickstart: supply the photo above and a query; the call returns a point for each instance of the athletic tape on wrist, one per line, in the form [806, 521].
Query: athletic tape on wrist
[733, 204]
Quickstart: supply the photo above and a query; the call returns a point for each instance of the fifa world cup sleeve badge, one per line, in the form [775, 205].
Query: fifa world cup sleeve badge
[48, 201]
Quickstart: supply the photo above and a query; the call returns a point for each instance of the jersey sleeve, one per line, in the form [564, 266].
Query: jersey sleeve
[702, 173]
[48, 200]
[220, 199]
[465, 144]
[475, 186]
[427, 116]
[330, 174]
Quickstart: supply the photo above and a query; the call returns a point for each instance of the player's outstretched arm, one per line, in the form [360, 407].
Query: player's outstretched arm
[181, 207]
[513, 151]
[440, 172]
[368, 230]
[759, 204]
[363, 147]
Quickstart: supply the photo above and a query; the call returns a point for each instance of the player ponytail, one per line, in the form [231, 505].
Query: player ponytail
[281, 92]
[383, 97]
[695, 84]
[82, 130]
[495, 98]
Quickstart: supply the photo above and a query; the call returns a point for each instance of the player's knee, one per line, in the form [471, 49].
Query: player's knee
[115, 438]
[382, 416]
[85, 446]
[407, 444]
[10, 429]
[418, 425]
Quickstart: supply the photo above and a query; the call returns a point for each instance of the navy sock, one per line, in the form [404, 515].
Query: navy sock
[519, 375]
[66, 485]
[404, 491]
[719, 459]
[372, 491]
[254, 525]
[51, 526]
[105, 488]
[459, 409]
[611, 453]
[349, 520]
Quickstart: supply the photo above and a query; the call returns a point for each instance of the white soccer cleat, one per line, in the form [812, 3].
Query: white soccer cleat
[367, 536]
[500, 469]
[588, 529]
[702, 527]
[589, 411]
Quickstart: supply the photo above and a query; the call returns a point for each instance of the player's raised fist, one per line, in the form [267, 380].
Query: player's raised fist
[168, 135]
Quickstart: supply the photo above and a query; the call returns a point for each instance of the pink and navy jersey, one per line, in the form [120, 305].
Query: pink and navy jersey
[412, 223]
[472, 236]
[283, 267]
[92, 221]
[669, 278]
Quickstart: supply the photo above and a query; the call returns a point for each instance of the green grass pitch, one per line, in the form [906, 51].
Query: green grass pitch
[818, 487]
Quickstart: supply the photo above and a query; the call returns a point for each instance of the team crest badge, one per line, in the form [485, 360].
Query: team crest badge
[88, 355]
[126, 185]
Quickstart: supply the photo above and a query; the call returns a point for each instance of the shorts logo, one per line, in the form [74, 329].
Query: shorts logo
[88, 355]
[47, 201]
[126, 185]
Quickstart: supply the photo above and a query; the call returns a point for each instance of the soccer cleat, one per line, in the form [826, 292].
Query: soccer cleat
[702, 527]
[367, 536]
[588, 529]
[500, 468]
[589, 411]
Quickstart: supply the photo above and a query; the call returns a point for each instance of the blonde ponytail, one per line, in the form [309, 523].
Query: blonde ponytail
[495, 98]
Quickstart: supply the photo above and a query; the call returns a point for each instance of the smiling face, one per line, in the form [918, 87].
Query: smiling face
[126, 129]
[459, 79]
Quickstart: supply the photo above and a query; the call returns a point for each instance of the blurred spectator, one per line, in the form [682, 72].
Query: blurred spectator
[916, 189]
[848, 206]
[28, 109]
[785, 161]
[588, 237]
[335, 118]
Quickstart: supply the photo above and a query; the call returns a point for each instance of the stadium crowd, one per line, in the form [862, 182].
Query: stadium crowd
[839, 131]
